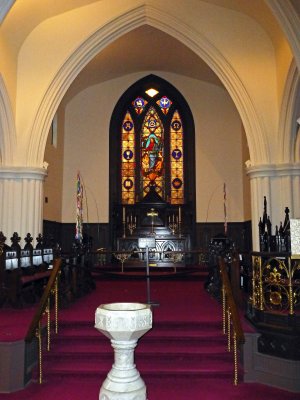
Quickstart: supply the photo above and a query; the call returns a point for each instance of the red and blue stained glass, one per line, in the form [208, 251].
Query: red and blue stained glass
[152, 153]
[176, 160]
[128, 160]
[164, 104]
[139, 104]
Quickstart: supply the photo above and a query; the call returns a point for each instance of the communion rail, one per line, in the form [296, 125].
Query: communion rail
[157, 258]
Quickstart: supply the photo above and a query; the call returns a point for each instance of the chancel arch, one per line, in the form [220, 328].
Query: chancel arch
[106, 34]
[83, 47]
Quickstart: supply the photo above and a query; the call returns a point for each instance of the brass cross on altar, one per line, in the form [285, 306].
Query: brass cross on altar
[152, 213]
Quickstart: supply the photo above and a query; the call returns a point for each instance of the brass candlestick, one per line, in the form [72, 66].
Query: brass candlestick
[173, 224]
[179, 221]
[124, 222]
[122, 257]
[131, 224]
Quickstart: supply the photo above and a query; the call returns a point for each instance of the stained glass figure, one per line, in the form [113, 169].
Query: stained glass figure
[128, 160]
[152, 153]
[139, 104]
[164, 103]
[176, 160]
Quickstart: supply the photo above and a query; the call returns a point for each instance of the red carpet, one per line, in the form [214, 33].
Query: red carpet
[183, 356]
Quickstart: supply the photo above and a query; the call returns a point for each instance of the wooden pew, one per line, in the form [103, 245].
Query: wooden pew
[24, 272]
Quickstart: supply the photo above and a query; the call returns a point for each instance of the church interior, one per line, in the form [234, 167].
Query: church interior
[156, 143]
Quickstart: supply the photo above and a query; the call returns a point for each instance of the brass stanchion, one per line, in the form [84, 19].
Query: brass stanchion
[228, 330]
[235, 380]
[39, 337]
[224, 309]
[261, 302]
[56, 305]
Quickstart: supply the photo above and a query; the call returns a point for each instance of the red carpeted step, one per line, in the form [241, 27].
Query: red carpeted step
[192, 348]
[186, 341]
[147, 364]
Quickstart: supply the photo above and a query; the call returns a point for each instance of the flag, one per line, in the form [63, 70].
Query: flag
[225, 211]
[79, 198]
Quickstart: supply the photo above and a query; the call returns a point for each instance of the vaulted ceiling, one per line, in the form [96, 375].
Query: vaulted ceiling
[131, 53]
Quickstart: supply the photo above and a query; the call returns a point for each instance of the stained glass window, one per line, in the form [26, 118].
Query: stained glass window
[176, 160]
[152, 153]
[152, 150]
[139, 104]
[164, 103]
[128, 160]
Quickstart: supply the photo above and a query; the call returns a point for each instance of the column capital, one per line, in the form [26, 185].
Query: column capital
[11, 172]
[273, 170]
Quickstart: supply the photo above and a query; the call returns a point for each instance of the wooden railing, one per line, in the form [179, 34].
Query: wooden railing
[44, 307]
[231, 321]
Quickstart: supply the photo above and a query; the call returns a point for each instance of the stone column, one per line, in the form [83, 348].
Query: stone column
[21, 206]
[280, 183]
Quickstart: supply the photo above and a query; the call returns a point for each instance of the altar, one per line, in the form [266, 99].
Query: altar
[168, 225]
[168, 250]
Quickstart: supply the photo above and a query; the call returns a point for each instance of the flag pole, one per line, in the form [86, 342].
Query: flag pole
[79, 201]
[225, 210]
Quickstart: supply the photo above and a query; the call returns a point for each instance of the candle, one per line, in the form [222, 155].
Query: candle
[173, 218]
[124, 219]
[179, 214]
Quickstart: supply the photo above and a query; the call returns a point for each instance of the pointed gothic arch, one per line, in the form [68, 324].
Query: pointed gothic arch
[105, 35]
[123, 107]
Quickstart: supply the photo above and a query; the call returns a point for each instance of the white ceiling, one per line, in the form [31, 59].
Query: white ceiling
[143, 49]
[149, 49]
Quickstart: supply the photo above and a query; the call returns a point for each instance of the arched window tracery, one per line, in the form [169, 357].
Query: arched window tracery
[152, 156]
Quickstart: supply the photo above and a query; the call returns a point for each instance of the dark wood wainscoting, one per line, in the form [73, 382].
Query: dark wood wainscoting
[64, 233]
[239, 232]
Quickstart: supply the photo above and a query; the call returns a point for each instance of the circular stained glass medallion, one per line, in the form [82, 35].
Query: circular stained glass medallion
[128, 184]
[152, 123]
[177, 183]
[139, 102]
[176, 153]
[127, 126]
[165, 102]
[128, 154]
[176, 125]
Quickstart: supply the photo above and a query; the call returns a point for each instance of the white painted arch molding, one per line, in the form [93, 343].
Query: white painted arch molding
[114, 29]
[7, 127]
[288, 143]
[289, 22]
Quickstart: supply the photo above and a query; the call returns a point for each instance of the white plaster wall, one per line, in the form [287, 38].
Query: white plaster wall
[52, 208]
[218, 148]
